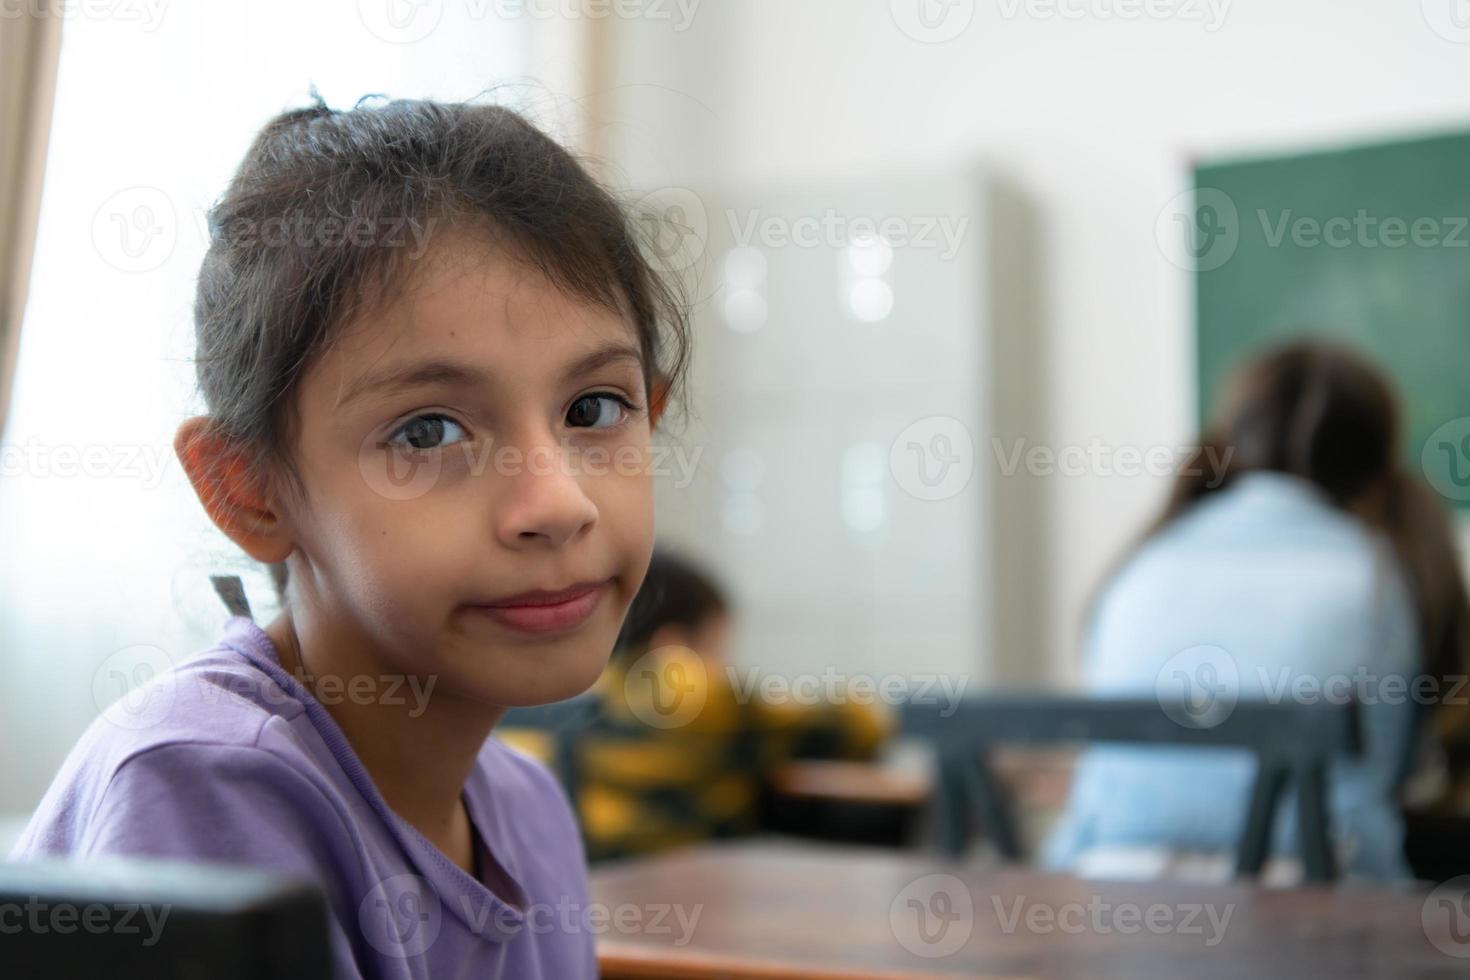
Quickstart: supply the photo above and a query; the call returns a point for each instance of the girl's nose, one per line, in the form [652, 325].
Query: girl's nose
[545, 504]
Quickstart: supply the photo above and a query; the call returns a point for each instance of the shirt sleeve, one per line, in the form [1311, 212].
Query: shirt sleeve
[227, 804]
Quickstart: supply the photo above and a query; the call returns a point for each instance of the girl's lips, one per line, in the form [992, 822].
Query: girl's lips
[546, 612]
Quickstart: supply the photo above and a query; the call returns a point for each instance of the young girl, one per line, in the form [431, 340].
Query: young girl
[432, 352]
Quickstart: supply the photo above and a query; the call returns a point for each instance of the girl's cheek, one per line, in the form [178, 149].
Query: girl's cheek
[620, 492]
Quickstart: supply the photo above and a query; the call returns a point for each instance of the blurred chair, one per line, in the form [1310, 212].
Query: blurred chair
[565, 721]
[129, 919]
[864, 803]
[1290, 741]
[637, 786]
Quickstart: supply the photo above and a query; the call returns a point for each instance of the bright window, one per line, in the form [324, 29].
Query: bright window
[102, 545]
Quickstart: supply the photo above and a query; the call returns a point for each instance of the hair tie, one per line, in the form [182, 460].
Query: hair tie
[232, 593]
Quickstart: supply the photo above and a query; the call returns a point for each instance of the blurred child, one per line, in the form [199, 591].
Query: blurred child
[1296, 549]
[679, 754]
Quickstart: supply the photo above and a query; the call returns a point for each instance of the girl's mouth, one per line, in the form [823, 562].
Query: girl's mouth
[545, 611]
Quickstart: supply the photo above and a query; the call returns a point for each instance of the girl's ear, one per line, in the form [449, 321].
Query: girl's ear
[230, 490]
[658, 400]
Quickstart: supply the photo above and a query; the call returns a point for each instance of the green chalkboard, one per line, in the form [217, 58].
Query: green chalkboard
[1370, 244]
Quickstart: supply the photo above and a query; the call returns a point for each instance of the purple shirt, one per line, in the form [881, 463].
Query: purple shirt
[227, 758]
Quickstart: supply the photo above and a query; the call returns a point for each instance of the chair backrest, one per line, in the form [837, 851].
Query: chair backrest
[566, 721]
[130, 919]
[572, 713]
[683, 778]
[1290, 740]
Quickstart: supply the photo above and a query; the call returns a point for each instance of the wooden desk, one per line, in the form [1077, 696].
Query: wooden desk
[852, 782]
[771, 911]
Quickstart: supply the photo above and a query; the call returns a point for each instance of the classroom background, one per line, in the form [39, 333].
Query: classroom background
[967, 277]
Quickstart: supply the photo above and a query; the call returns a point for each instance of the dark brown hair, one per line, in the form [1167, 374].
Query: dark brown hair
[321, 217]
[674, 592]
[1323, 412]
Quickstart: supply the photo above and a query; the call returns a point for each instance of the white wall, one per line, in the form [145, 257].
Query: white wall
[1089, 122]
[836, 388]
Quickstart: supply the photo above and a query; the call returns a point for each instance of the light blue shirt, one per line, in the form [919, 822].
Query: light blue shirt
[1302, 600]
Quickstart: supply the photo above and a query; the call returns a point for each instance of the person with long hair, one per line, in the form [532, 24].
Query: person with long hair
[1300, 555]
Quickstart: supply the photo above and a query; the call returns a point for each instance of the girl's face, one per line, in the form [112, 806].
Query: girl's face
[482, 436]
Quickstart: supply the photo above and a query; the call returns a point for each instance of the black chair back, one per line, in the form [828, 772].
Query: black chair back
[1291, 742]
[566, 721]
[129, 919]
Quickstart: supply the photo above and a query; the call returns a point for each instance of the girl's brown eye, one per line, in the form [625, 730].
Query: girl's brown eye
[427, 432]
[597, 412]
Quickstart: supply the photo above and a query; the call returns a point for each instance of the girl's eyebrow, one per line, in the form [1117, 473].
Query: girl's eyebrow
[602, 357]
[452, 373]
[415, 374]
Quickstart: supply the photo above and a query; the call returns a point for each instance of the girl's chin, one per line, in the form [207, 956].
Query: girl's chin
[527, 685]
